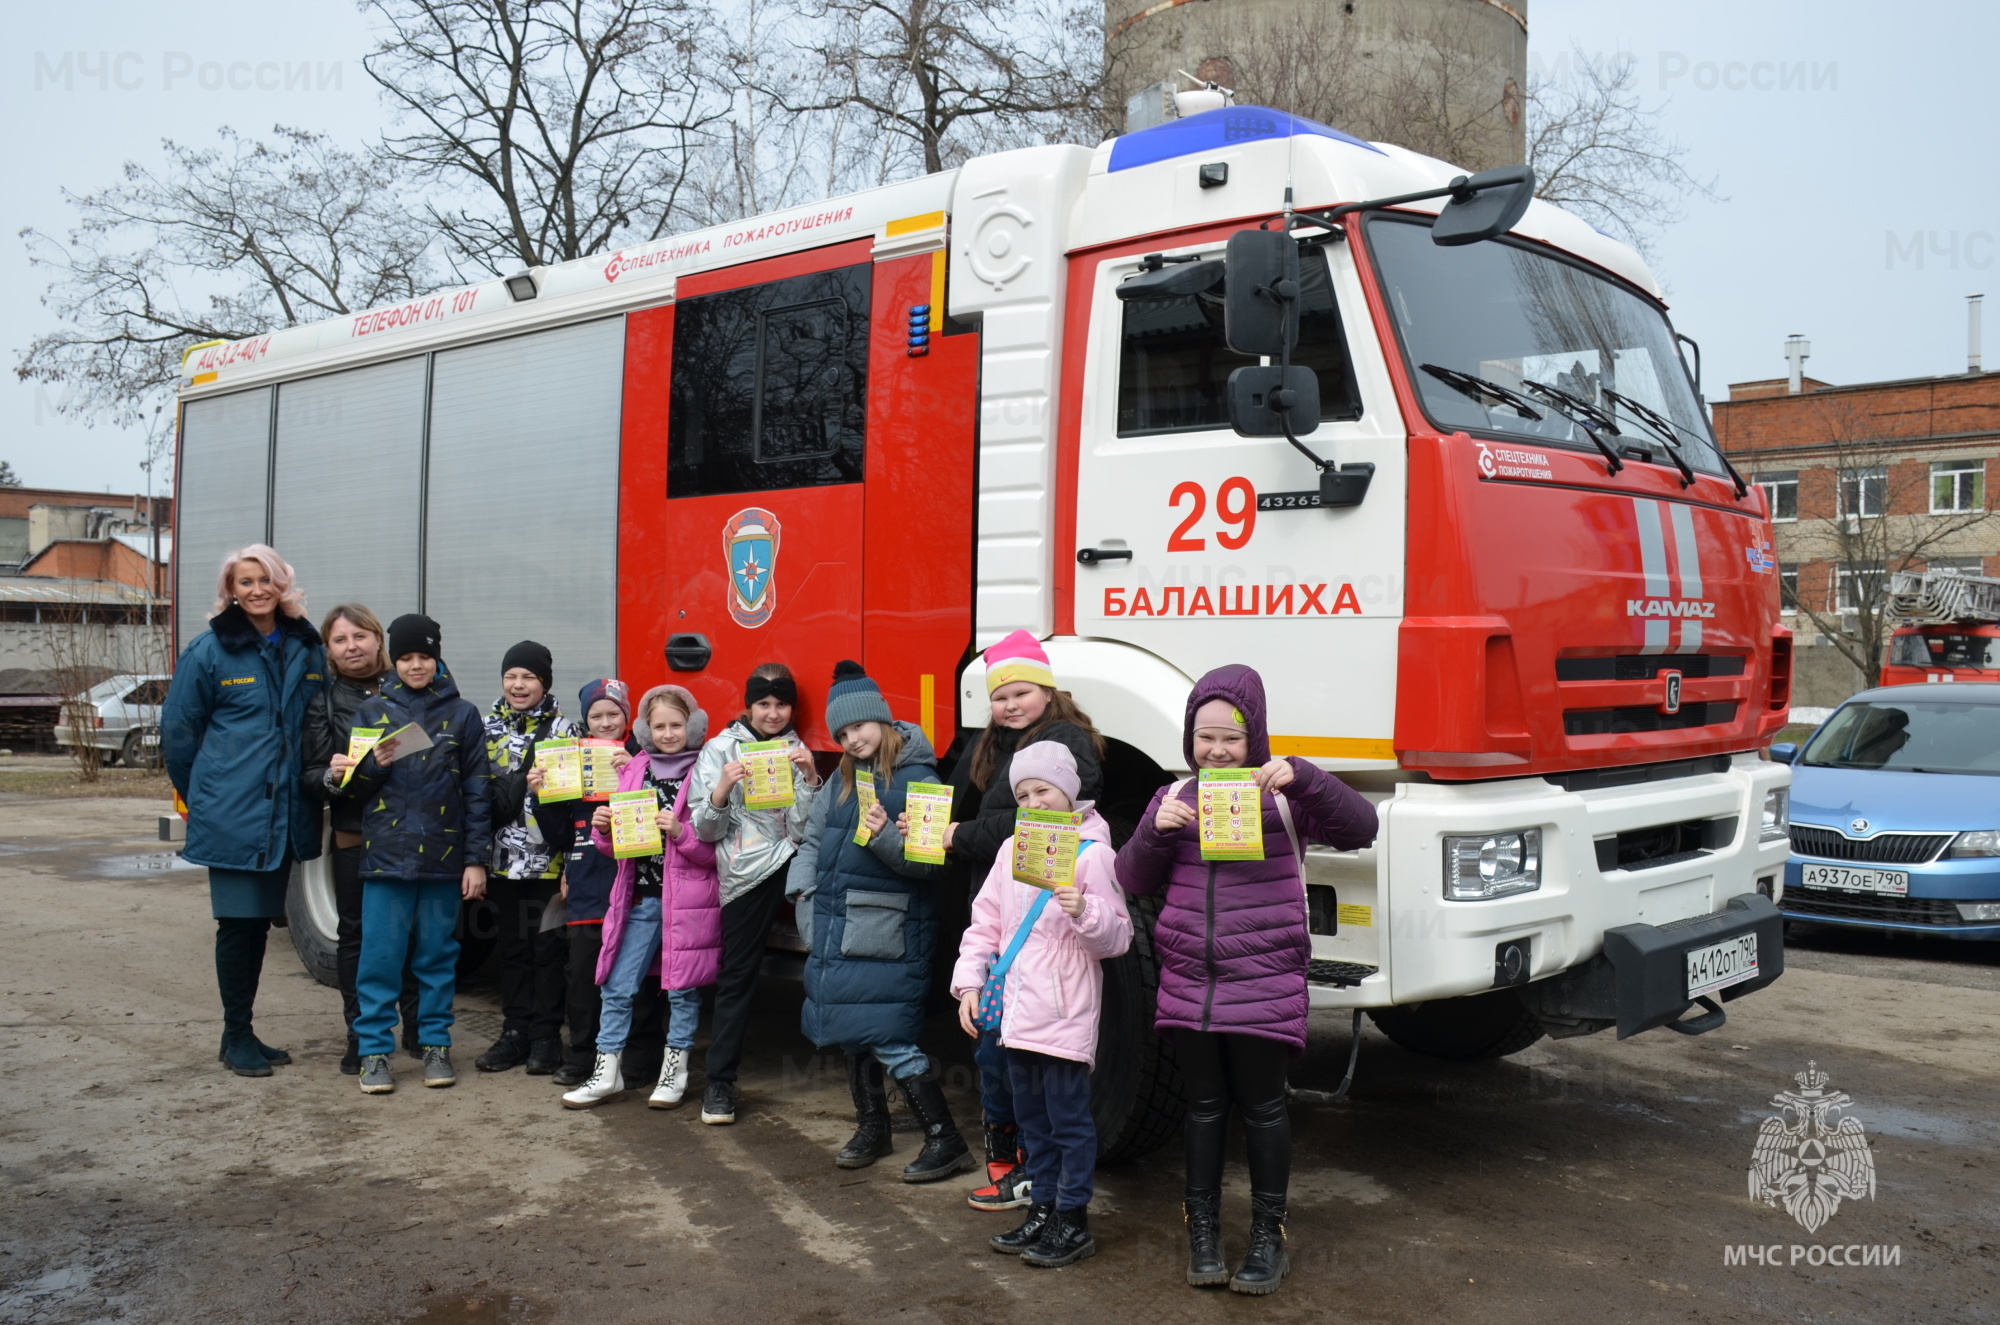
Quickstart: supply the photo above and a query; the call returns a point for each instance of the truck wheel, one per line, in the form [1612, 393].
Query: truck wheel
[1468, 1029]
[1135, 1093]
[311, 916]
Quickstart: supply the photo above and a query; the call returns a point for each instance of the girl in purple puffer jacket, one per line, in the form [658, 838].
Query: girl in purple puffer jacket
[1233, 948]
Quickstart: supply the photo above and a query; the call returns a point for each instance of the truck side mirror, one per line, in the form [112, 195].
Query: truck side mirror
[1260, 306]
[1262, 399]
[1483, 206]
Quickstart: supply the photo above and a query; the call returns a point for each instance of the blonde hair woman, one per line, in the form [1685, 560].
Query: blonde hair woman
[233, 732]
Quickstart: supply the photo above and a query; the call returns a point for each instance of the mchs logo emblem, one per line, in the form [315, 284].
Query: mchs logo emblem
[750, 546]
[1807, 1158]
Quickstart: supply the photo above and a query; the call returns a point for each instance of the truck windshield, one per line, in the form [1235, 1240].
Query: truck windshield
[1973, 652]
[1915, 736]
[1512, 314]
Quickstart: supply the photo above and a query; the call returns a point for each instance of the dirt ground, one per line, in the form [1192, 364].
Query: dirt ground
[1582, 1180]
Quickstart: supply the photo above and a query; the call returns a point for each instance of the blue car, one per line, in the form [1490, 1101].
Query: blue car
[1895, 813]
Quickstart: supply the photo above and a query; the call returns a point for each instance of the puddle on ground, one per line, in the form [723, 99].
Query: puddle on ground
[479, 1309]
[1907, 1124]
[146, 865]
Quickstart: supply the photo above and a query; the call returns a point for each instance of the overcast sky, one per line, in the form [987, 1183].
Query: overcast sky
[1852, 147]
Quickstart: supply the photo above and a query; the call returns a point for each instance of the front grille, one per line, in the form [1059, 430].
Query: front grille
[1646, 666]
[1884, 849]
[1646, 718]
[1664, 844]
[1809, 902]
[1342, 974]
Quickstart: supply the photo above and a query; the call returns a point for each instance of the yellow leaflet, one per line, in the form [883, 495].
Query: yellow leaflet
[929, 805]
[359, 742]
[600, 773]
[767, 774]
[1231, 814]
[1046, 843]
[561, 762]
[864, 795]
[635, 824]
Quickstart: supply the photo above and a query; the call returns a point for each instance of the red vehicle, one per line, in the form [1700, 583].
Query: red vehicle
[1951, 629]
[1498, 577]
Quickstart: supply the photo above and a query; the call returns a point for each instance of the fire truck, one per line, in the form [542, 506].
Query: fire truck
[1950, 630]
[1236, 388]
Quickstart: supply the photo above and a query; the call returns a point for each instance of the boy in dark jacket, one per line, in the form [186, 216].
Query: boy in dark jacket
[427, 834]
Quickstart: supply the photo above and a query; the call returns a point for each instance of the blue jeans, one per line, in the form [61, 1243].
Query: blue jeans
[996, 1102]
[388, 909]
[637, 948]
[900, 1061]
[1052, 1100]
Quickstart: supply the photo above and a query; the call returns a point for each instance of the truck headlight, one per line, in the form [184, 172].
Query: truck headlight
[1777, 816]
[1492, 865]
[1973, 846]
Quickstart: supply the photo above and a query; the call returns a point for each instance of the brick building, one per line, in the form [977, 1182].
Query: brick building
[1861, 481]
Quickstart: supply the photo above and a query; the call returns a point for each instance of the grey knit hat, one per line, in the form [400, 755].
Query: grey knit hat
[854, 698]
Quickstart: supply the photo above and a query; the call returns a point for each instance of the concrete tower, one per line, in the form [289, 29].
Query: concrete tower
[1443, 77]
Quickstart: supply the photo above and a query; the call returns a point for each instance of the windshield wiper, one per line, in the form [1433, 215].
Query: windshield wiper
[1479, 389]
[1664, 428]
[1583, 414]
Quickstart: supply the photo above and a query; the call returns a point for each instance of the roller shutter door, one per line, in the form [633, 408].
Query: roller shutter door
[521, 534]
[346, 496]
[221, 496]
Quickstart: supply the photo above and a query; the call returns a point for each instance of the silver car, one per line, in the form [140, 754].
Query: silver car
[127, 719]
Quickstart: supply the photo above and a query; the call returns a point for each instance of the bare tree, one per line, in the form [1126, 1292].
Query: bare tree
[947, 79]
[556, 128]
[8, 478]
[1599, 151]
[1881, 524]
[80, 645]
[214, 243]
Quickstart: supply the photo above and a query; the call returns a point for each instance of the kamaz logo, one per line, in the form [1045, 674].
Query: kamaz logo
[1680, 607]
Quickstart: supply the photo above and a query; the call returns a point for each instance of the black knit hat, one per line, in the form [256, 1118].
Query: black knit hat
[535, 657]
[414, 632]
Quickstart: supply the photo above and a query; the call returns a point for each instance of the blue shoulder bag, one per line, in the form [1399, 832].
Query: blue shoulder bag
[992, 994]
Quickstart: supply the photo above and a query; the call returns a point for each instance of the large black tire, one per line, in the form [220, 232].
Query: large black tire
[1465, 1030]
[1135, 1093]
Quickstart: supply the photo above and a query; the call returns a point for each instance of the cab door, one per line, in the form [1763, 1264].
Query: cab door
[742, 508]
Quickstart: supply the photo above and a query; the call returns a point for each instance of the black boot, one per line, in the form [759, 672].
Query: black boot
[1065, 1240]
[239, 960]
[945, 1151]
[871, 1140]
[1203, 1213]
[1017, 1240]
[543, 1055]
[350, 1062]
[509, 1051]
[1265, 1267]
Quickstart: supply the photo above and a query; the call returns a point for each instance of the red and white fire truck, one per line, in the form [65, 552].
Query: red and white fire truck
[1950, 630]
[1499, 578]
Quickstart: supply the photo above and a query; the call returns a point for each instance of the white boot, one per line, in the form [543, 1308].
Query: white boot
[673, 1080]
[606, 1083]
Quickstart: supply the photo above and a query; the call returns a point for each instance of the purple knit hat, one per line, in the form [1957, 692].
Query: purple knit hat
[1052, 762]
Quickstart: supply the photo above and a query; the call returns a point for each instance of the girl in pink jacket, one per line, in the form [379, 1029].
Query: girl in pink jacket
[666, 910]
[1052, 995]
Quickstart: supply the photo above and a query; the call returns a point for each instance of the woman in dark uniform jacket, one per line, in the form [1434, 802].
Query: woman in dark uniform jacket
[233, 731]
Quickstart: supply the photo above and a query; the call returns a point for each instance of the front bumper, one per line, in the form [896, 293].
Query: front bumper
[1641, 979]
[1930, 908]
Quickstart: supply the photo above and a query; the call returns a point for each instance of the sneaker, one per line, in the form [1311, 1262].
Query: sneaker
[673, 1080]
[1007, 1190]
[509, 1051]
[571, 1074]
[437, 1066]
[606, 1083]
[543, 1056]
[375, 1076]
[718, 1102]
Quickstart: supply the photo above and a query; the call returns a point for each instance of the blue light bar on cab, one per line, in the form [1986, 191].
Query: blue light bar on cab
[1218, 128]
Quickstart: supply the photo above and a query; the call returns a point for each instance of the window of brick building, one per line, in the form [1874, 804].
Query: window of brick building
[1864, 491]
[1781, 493]
[1788, 586]
[1856, 585]
[1956, 565]
[1957, 485]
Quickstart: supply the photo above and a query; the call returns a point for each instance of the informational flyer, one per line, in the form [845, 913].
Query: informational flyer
[407, 739]
[1045, 846]
[600, 772]
[929, 805]
[359, 742]
[864, 796]
[767, 774]
[635, 824]
[561, 763]
[1231, 814]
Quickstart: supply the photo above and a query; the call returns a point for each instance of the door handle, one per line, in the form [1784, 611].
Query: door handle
[1090, 556]
[688, 653]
